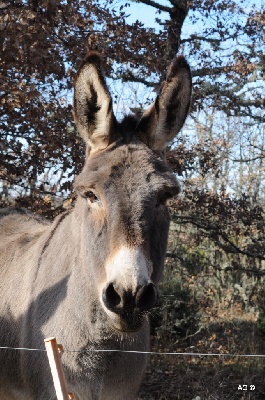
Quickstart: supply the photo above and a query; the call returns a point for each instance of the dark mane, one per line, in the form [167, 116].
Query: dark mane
[128, 127]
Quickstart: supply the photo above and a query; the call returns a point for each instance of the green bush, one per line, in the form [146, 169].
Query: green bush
[261, 308]
[261, 323]
[174, 317]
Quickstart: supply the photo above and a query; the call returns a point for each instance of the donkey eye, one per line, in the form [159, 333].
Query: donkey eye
[91, 196]
[163, 198]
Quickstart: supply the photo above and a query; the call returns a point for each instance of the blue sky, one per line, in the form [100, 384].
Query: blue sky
[145, 14]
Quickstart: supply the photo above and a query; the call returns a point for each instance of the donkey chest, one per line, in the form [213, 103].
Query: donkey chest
[108, 376]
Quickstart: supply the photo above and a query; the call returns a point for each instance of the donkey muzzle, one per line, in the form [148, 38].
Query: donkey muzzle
[128, 292]
[125, 303]
[127, 309]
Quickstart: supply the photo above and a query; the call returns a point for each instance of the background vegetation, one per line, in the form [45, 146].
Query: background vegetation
[212, 297]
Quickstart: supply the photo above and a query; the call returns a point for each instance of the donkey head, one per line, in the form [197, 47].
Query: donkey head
[123, 190]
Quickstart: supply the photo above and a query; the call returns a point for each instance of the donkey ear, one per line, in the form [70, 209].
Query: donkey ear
[166, 116]
[93, 111]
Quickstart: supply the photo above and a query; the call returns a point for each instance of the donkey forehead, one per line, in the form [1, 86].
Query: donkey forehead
[134, 164]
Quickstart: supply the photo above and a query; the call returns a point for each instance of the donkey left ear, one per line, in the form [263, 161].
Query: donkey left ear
[166, 116]
[93, 111]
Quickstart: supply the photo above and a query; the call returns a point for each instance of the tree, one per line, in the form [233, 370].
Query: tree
[42, 42]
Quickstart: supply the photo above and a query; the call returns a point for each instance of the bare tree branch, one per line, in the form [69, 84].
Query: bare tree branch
[155, 5]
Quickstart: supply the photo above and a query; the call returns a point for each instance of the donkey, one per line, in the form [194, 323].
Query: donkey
[90, 277]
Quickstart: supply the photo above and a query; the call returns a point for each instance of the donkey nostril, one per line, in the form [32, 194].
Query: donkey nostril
[110, 297]
[146, 297]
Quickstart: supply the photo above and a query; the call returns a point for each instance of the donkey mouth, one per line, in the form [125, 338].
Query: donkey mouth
[127, 322]
[131, 323]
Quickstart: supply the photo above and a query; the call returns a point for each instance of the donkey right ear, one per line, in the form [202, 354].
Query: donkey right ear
[166, 116]
[93, 111]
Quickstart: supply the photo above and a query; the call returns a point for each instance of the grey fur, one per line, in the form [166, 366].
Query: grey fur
[53, 276]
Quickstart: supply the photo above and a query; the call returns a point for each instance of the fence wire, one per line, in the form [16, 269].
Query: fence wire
[189, 354]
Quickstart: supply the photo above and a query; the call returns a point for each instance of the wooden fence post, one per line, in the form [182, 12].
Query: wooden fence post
[57, 370]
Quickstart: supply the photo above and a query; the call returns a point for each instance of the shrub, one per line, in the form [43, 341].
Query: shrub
[175, 314]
